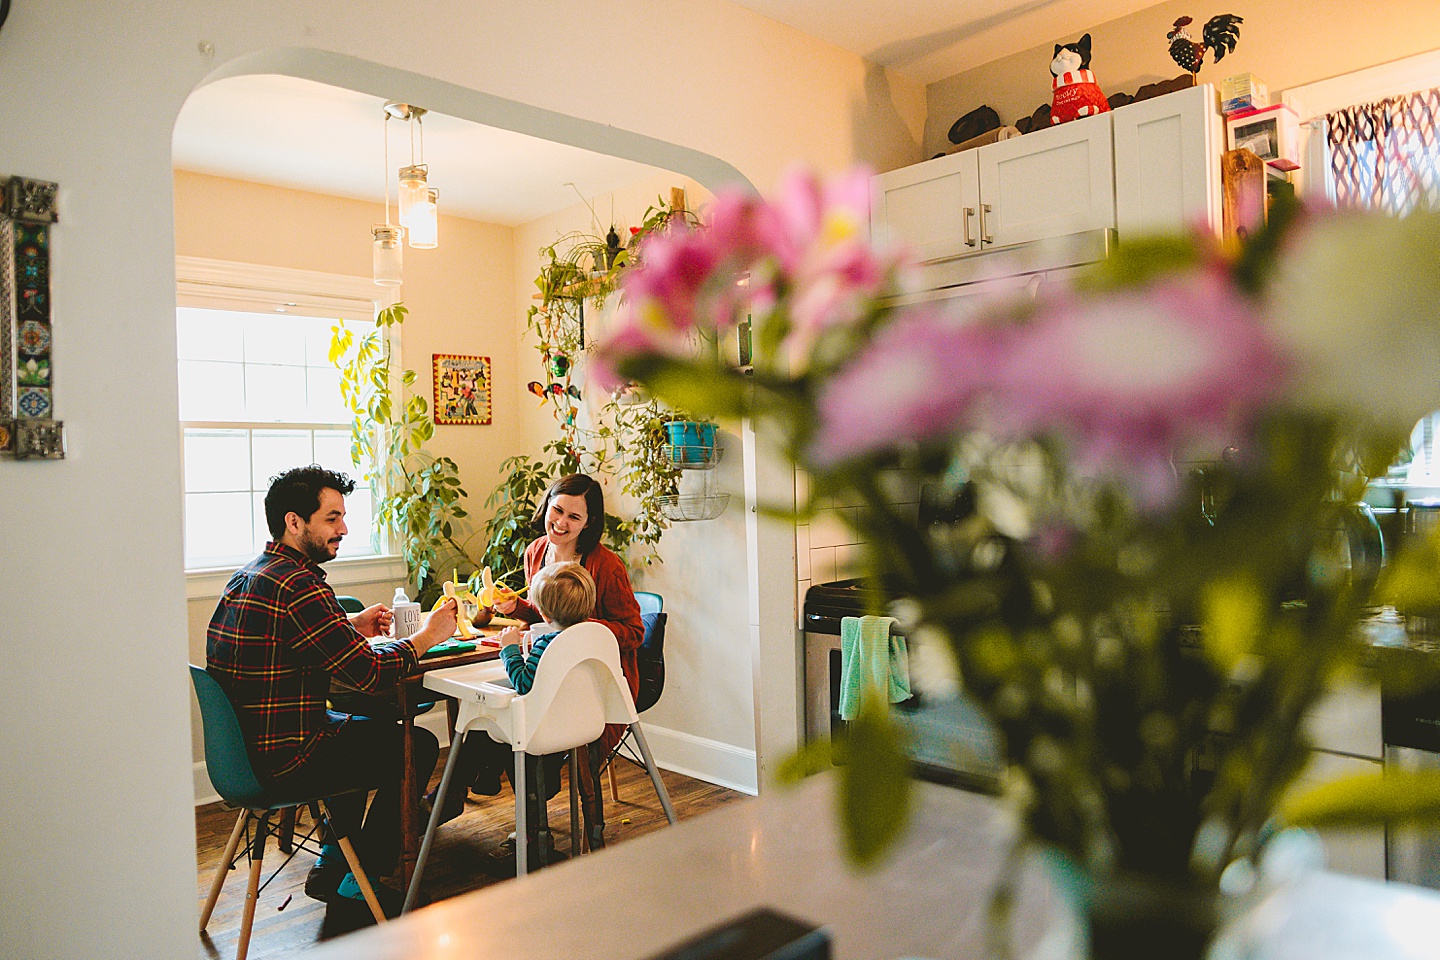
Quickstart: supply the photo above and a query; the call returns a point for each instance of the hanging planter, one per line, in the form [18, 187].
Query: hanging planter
[692, 444]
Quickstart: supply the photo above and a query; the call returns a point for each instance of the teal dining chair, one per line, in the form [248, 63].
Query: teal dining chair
[227, 760]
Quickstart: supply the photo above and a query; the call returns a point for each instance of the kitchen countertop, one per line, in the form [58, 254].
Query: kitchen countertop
[928, 900]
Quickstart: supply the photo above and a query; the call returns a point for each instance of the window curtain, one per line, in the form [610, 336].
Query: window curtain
[1385, 155]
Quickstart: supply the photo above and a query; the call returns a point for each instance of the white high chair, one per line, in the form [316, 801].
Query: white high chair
[578, 689]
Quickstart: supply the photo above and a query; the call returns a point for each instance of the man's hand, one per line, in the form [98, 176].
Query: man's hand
[373, 621]
[438, 627]
[506, 606]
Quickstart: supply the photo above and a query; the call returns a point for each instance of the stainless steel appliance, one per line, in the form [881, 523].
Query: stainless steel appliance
[951, 741]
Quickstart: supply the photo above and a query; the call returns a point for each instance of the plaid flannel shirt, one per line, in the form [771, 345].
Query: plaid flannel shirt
[276, 639]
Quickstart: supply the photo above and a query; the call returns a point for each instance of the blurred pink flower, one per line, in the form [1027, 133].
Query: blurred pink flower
[1127, 378]
[805, 252]
[916, 381]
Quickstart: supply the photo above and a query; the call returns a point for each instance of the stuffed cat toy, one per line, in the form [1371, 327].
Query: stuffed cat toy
[1076, 92]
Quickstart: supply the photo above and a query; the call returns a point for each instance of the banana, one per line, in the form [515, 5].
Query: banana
[460, 596]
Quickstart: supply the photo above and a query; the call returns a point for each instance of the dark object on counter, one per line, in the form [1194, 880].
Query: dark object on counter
[761, 934]
[1038, 120]
[980, 120]
[1411, 719]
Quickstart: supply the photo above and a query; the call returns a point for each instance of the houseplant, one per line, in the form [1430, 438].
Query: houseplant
[627, 437]
[1146, 638]
[417, 493]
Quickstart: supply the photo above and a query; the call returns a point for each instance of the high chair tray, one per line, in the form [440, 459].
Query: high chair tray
[474, 681]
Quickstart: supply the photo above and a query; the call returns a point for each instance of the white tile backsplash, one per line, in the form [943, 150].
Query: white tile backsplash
[822, 564]
[849, 561]
[828, 529]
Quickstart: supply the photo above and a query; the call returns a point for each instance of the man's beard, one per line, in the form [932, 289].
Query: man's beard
[317, 550]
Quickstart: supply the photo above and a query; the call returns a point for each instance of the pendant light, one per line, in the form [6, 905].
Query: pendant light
[387, 251]
[418, 213]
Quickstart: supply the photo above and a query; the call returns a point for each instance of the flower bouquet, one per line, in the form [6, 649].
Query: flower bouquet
[1161, 572]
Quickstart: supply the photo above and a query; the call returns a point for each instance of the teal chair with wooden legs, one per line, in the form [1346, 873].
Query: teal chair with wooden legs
[228, 762]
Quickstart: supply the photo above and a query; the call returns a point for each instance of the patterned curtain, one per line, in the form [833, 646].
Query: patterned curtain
[1386, 155]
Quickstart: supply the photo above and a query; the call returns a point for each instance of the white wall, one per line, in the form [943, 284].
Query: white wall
[704, 724]
[97, 855]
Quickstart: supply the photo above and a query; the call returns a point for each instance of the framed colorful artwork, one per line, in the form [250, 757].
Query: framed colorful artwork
[462, 389]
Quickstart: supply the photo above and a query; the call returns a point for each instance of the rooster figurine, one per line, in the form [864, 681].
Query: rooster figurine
[1219, 35]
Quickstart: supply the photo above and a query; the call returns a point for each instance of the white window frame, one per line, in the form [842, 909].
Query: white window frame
[231, 285]
[1312, 101]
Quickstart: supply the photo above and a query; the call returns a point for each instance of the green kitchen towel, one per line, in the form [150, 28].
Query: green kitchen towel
[871, 657]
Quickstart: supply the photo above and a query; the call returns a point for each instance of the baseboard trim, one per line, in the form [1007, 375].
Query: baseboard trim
[722, 764]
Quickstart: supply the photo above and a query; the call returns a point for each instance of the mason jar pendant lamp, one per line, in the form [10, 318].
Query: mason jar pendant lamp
[418, 213]
[387, 258]
[416, 201]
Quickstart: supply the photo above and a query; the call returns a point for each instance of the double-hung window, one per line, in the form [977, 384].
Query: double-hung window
[258, 395]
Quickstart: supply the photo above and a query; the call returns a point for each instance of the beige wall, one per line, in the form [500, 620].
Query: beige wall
[1283, 42]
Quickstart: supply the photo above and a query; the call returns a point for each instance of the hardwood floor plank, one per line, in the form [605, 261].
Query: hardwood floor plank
[459, 859]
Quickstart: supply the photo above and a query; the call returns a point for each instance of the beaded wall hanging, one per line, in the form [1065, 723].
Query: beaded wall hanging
[28, 427]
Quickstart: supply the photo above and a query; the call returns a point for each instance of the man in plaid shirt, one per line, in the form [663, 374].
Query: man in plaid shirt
[277, 638]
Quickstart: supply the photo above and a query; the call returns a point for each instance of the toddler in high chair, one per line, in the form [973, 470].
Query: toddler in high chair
[564, 593]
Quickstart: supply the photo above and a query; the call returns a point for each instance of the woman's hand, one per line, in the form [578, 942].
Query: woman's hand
[506, 606]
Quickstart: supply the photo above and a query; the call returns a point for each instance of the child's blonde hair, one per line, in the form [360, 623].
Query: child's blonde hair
[564, 593]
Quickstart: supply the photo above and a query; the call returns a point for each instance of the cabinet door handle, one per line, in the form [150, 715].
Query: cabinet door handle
[969, 240]
[984, 232]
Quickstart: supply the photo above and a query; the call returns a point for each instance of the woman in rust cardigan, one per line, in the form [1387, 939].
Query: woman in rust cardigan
[572, 516]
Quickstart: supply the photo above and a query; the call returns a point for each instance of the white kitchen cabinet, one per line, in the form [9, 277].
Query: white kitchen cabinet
[1050, 183]
[1046, 184]
[1167, 169]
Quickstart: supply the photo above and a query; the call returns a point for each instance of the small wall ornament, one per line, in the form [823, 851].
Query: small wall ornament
[28, 427]
[462, 389]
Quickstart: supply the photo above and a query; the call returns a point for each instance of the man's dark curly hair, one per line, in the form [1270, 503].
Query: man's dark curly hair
[298, 491]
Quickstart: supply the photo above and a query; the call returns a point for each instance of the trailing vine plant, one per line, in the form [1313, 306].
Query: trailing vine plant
[629, 437]
[417, 494]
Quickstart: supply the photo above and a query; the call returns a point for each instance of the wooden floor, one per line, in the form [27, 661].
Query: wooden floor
[286, 921]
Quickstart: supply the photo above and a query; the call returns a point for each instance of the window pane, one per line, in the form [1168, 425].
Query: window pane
[323, 393]
[261, 531]
[318, 334]
[211, 390]
[217, 529]
[217, 460]
[276, 451]
[360, 520]
[332, 451]
[206, 334]
[275, 393]
[274, 338]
